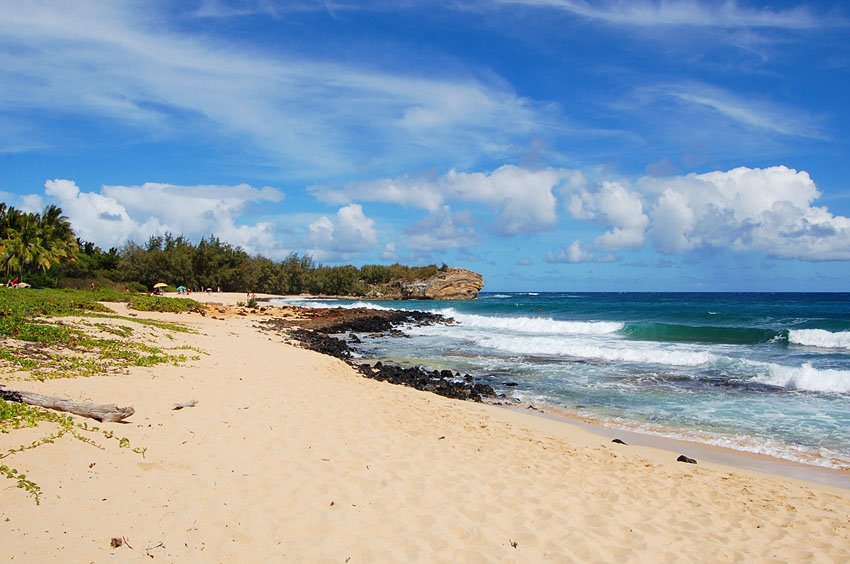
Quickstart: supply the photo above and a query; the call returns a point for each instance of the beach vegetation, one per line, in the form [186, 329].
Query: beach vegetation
[15, 416]
[40, 343]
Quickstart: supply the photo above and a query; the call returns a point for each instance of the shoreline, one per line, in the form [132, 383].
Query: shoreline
[728, 456]
[289, 454]
[740, 460]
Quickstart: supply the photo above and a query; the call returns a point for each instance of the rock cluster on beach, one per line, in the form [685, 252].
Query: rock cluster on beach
[443, 382]
[315, 332]
[358, 320]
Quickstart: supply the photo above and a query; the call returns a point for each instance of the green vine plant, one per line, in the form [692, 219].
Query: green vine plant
[18, 416]
[63, 334]
[45, 349]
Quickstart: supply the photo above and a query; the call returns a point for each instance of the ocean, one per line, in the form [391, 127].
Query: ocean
[764, 373]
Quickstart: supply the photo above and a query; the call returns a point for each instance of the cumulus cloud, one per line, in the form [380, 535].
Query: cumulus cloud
[613, 205]
[119, 214]
[31, 203]
[523, 199]
[351, 233]
[768, 210]
[441, 231]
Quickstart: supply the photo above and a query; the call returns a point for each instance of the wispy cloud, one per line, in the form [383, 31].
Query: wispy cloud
[685, 13]
[242, 8]
[124, 63]
[760, 114]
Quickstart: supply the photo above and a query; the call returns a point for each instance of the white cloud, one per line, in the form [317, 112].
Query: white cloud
[613, 205]
[351, 233]
[524, 199]
[134, 213]
[32, 203]
[575, 253]
[390, 253]
[442, 230]
[767, 210]
[750, 112]
[125, 63]
[688, 13]
[192, 208]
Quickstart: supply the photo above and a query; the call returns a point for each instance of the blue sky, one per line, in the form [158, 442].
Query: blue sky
[548, 144]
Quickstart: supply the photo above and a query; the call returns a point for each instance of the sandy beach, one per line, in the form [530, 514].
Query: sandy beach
[290, 455]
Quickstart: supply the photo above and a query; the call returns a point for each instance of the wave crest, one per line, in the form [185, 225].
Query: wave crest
[807, 378]
[820, 338]
[576, 349]
[534, 325]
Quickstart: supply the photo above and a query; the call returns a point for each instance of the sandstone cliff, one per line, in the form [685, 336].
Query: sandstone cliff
[448, 284]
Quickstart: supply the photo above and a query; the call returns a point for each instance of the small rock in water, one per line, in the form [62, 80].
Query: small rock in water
[510, 384]
[619, 441]
[683, 458]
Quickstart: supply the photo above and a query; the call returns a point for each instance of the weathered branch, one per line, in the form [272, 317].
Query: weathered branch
[101, 412]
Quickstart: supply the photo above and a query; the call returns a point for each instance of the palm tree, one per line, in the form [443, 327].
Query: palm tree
[58, 239]
[34, 240]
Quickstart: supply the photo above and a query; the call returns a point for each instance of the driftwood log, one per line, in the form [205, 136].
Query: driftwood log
[101, 412]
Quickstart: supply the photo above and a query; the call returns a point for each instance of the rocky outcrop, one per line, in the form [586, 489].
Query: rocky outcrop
[448, 284]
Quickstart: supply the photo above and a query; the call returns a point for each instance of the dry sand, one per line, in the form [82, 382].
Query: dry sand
[290, 455]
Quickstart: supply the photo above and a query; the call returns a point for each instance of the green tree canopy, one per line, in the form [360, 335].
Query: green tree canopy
[33, 241]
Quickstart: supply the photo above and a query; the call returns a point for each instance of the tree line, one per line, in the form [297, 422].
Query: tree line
[43, 249]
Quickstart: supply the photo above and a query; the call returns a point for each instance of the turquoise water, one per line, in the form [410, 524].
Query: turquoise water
[766, 373]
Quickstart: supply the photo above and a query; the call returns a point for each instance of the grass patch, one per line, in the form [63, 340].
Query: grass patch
[45, 347]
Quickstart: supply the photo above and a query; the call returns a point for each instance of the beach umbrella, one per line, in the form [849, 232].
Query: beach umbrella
[160, 285]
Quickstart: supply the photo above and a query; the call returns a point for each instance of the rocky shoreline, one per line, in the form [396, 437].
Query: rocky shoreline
[316, 329]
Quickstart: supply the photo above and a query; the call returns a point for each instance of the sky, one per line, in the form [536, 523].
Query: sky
[551, 145]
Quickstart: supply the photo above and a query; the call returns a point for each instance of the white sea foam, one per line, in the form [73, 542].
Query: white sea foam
[597, 351]
[756, 444]
[806, 377]
[533, 325]
[820, 338]
[321, 303]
